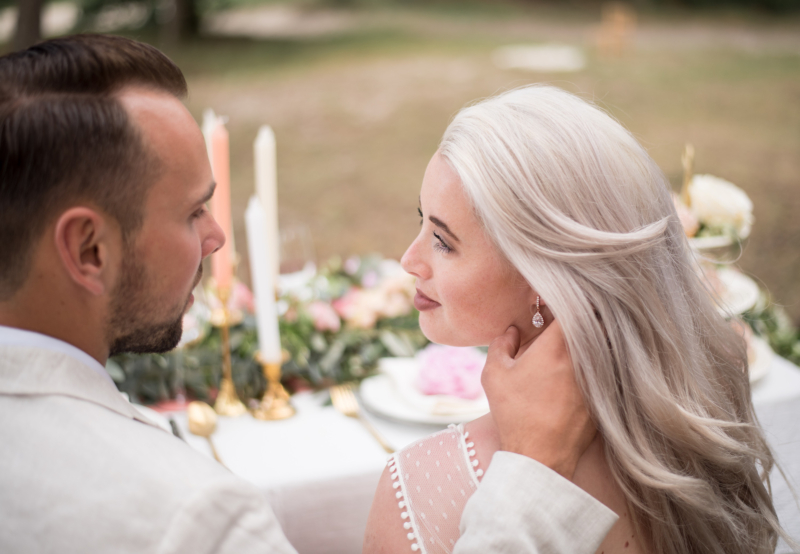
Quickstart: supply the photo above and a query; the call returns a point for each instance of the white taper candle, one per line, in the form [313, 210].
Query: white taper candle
[267, 191]
[263, 279]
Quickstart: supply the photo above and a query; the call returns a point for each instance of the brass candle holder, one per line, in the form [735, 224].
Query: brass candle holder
[227, 403]
[275, 403]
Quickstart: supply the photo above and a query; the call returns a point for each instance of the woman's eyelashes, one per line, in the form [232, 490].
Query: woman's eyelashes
[440, 244]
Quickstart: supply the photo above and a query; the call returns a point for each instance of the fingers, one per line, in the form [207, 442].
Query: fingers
[502, 351]
[506, 345]
[551, 343]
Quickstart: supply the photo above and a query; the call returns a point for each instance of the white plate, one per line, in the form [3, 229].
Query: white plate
[379, 395]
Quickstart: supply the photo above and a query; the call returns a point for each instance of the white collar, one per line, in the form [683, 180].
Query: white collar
[11, 336]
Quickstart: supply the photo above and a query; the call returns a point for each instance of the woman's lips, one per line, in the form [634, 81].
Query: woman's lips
[422, 302]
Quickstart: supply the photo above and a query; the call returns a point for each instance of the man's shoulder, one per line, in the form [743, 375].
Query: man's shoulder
[101, 439]
[79, 471]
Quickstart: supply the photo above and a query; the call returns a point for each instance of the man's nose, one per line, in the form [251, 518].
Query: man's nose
[214, 239]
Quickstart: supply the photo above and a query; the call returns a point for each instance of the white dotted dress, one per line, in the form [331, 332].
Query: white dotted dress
[433, 479]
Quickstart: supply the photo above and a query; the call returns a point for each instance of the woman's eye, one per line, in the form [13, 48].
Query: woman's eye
[441, 245]
[421, 219]
[199, 212]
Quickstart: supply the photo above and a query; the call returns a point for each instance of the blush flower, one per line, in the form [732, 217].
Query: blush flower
[242, 298]
[688, 220]
[324, 316]
[359, 308]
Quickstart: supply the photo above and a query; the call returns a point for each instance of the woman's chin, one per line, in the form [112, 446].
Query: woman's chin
[441, 333]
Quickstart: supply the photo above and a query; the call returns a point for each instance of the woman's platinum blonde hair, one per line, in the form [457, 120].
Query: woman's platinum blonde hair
[581, 210]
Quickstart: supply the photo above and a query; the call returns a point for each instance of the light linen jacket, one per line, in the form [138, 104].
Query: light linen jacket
[82, 471]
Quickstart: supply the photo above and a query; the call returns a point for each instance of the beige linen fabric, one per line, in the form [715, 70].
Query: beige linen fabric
[82, 471]
[533, 509]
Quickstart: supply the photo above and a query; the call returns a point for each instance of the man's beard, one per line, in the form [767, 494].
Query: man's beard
[131, 326]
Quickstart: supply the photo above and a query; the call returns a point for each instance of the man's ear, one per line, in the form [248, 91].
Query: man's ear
[83, 238]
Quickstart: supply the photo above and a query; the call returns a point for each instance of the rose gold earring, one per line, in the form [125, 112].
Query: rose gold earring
[537, 320]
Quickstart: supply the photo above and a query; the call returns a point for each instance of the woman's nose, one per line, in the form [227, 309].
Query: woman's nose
[413, 263]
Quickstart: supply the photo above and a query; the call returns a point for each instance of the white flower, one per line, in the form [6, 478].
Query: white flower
[721, 205]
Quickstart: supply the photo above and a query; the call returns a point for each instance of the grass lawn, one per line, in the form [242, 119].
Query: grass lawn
[357, 114]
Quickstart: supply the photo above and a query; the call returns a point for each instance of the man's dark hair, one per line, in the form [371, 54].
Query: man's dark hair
[65, 138]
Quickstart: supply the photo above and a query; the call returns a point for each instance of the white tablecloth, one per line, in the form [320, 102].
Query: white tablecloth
[320, 469]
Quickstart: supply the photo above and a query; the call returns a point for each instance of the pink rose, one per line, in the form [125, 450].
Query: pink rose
[352, 264]
[369, 280]
[324, 316]
[241, 298]
[346, 305]
[359, 308]
[451, 370]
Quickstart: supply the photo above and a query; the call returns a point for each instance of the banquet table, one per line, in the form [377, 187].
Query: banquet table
[319, 469]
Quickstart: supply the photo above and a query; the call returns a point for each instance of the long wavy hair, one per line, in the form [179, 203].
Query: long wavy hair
[576, 204]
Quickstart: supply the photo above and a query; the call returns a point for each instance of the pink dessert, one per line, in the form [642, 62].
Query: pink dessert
[451, 371]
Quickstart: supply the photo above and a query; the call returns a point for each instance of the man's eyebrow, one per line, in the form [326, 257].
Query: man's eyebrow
[441, 224]
[208, 194]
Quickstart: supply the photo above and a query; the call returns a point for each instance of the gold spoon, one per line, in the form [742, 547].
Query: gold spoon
[203, 423]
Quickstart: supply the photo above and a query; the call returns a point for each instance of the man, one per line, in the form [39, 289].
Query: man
[103, 184]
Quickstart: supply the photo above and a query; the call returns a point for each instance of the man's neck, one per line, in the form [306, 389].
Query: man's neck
[74, 328]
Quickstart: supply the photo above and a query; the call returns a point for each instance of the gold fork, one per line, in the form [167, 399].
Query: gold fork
[344, 400]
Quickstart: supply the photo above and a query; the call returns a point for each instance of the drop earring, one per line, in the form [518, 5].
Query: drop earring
[537, 320]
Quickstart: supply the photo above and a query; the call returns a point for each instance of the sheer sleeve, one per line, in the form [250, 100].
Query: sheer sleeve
[433, 479]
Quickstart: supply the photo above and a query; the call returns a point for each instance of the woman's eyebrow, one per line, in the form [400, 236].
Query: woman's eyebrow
[441, 224]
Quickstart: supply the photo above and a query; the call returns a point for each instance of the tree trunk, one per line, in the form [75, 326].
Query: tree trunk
[29, 24]
[179, 21]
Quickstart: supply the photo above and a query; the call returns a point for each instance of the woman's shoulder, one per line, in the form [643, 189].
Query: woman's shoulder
[450, 448]
[423, 490]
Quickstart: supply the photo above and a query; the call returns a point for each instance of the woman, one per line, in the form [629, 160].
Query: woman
[537, 206]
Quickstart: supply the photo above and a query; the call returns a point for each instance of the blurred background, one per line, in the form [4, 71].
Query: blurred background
[359, 92]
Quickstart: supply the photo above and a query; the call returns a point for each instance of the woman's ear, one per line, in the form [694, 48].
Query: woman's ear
[83, 237]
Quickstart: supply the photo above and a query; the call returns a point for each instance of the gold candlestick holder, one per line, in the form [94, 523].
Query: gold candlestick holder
[275, 403]
[227, 403]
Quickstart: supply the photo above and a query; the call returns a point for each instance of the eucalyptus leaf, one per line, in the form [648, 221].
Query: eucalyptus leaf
[115, 371]
[332, 356]
[396, 345]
